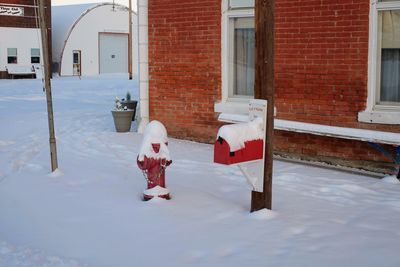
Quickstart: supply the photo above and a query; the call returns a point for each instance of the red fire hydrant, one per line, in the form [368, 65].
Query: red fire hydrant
[153, 159]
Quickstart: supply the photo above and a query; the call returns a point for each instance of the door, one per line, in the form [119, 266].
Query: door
[76, 62]
[113, 53]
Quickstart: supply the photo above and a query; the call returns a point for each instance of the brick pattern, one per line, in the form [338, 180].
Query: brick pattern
[321, 72]
[316, 146]
[185, 66]
[321, 67]
[322, 60]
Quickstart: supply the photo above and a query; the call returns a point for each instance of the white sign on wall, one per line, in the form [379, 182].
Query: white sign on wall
[11, 11]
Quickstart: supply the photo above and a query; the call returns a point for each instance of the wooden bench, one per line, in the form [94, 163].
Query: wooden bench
[374, 138]
[21, 71]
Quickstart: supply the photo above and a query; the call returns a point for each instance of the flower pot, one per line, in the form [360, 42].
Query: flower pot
[131, 105]
[122, 120]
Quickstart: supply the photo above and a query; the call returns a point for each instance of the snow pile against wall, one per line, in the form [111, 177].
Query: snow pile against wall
[155, 133]
[237, 134]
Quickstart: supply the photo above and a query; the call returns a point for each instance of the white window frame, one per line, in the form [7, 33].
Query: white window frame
[36, 56]
[228, 104]
[377, 113]
[12, 55]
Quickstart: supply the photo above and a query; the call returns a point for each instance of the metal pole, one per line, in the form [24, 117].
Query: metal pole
[130, 41]
[264, 89]
[47, 84]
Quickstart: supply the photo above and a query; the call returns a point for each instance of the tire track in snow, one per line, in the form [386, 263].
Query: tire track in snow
[26, 154]
[11, 255]
[21, 153]
[83, 133]
[87, 136]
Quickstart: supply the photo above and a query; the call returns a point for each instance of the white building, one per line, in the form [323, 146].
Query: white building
[20, 48]
[92, 39]
[20, 39]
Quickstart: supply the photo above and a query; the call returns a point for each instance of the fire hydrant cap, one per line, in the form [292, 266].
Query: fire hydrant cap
[156, 132]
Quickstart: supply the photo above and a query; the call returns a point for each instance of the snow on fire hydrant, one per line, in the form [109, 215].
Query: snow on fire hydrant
[153, 159]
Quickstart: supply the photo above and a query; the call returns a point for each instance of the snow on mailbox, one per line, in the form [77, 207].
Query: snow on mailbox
[239, 142]
[243, 144]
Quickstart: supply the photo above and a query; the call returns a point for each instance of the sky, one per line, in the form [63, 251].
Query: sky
[75, 2]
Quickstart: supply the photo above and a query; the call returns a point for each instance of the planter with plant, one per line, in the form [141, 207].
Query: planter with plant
[122, 117]
[130, 104]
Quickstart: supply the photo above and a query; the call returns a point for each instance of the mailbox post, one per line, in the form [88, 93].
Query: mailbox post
[243, 144]
[264, 89]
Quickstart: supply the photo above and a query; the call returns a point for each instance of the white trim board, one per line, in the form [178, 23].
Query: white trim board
[339, 132]
[379, 137]
[374, 112]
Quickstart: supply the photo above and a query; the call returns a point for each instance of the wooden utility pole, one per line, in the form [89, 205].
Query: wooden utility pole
[264, 89]
[130, 41]
[47, 84]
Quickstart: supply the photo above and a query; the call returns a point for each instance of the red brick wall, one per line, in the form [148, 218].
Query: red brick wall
[321, 60]
[321, 68]
[185, 66]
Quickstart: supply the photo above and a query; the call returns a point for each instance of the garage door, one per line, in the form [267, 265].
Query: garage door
[113, 53]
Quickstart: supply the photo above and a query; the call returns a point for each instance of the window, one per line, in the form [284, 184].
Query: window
[12, 56]
[241, 57]
[384, 71]
[35, 55]
[238, 56]
[75, 57]
[389, 53]
[241, 4]
[76, 62]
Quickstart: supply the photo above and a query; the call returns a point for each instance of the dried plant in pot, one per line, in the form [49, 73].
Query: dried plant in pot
[122, 117]
[130, 104]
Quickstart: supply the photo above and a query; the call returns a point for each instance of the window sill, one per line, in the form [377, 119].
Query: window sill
[379, 117]
[237, 106]
[235, 110]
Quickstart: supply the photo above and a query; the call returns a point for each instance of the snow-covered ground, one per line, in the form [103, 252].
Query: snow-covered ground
[89, 212]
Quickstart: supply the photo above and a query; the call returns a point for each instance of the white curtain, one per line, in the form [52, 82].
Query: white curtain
[390, 75]
[244, 61]
[390, 57]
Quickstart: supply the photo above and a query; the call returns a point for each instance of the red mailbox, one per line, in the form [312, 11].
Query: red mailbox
[253, 150]
[242, 143]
